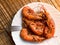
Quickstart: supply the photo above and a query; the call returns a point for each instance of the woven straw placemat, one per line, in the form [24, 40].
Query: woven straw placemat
[7, 10]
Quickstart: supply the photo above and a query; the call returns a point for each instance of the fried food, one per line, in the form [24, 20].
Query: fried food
[30, 14]
[36, 26]
[30, 37]
[50, 29]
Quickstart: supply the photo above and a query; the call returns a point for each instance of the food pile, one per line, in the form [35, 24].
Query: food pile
[36, 27]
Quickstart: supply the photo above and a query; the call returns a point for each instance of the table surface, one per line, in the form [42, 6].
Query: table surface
[8, 8]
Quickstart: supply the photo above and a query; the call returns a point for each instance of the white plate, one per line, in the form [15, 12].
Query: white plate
[55, 14]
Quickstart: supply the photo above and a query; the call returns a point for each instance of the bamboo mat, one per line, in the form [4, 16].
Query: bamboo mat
[8, 8]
